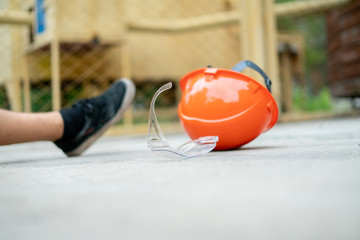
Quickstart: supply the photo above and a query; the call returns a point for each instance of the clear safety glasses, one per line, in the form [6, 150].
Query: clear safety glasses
[158, 144]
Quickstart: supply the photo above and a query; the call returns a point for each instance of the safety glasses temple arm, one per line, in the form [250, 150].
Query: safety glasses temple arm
[155, 135]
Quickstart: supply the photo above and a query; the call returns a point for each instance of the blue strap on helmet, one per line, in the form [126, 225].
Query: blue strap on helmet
[246, 63]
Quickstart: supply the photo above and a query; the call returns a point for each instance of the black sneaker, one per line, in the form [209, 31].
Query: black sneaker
[100, 113]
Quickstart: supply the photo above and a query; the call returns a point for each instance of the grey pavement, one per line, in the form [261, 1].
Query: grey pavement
[299, 180]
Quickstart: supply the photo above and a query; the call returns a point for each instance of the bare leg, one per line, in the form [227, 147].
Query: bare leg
[16, 127]
[73, 129]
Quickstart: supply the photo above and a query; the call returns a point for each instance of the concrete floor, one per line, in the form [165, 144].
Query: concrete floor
[297, 181]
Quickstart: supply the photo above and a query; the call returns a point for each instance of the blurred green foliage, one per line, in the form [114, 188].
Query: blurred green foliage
[4, 101]
[41, 97]
[303, 101]
[313, 29]
[71, 95]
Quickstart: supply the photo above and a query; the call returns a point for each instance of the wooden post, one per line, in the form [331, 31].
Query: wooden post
[125, 58]
[243, 24]
[299, 66]
[252, 35]
[14, 84]
[286, 76]
[256, 32]
[272, 59]
[55, 64]
[26, 84]
[55, 75]
[126, 72]
[125, 64]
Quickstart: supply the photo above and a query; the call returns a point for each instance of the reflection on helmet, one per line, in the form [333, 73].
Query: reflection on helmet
[227, 104]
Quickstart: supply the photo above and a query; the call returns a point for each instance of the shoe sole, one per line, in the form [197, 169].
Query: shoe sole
[127, 100]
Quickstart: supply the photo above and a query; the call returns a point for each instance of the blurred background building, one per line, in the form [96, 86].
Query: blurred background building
[53, 52]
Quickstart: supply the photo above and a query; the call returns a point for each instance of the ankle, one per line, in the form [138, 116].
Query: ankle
[73, 121]
[58, 122]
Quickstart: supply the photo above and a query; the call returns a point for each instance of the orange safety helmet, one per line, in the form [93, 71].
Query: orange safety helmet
[227, 104]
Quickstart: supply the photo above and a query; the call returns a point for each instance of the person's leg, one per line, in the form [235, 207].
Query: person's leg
[16, 127]
[74, 129]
